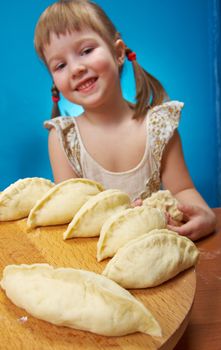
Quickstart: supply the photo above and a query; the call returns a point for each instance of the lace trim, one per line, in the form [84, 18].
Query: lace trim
[162, 121]
[66, 130]
[152, 185]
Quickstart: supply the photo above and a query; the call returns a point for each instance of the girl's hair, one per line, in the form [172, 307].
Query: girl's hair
[73, 15]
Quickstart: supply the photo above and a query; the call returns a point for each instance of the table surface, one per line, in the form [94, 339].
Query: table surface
[204, 329]
[170, 302]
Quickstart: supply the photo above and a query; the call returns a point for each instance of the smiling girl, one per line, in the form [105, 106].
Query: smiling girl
[135, 148]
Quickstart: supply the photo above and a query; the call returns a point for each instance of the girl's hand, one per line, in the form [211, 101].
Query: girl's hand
[199, 222]
[137, 202]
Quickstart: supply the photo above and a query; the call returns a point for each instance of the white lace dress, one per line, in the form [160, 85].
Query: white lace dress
[139, 182]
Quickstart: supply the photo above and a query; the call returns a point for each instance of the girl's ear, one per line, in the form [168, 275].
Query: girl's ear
[120, 51]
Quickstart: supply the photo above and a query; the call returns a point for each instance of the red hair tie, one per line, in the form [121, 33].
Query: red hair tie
[55, 98]
[131, 56]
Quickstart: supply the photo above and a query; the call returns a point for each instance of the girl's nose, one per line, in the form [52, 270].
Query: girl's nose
[77, 69]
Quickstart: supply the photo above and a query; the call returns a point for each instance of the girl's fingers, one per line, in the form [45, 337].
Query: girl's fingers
[188, 210]
[184, 230]
[173, 222]
[137, 202]
[189, 233]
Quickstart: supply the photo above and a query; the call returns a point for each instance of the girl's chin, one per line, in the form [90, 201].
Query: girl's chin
[90, 102]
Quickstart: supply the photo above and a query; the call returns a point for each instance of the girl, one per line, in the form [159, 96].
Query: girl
[135, 148]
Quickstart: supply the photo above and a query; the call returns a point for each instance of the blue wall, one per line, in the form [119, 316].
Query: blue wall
[177, 41]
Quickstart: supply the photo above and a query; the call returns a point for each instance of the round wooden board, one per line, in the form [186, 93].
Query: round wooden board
[170, 303]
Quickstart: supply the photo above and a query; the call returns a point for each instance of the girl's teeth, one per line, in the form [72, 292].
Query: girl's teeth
[87, 84]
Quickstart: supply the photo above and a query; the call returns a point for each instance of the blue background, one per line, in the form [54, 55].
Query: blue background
[177, 41]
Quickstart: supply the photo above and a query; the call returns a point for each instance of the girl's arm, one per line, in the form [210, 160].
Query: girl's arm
[60, 165]
[200, 219]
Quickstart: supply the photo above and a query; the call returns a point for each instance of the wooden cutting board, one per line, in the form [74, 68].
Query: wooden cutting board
[170, 303]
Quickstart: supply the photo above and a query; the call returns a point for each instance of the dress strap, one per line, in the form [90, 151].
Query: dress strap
[66, 129]
[162, 122]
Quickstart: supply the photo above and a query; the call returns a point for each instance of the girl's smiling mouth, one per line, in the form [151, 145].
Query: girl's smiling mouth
[86, 85]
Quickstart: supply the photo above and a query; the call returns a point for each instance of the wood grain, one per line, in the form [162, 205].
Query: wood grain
[204, 329]
[170, 303]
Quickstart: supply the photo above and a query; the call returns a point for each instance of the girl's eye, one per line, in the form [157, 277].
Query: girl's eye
[86, 51]
[60, 66]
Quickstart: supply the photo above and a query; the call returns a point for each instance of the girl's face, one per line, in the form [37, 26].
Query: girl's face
[83, 67]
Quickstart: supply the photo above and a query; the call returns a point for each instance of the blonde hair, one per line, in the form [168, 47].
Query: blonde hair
[73, 15]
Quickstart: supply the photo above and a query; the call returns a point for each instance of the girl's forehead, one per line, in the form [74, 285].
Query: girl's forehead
[76, 35]
[74, 39]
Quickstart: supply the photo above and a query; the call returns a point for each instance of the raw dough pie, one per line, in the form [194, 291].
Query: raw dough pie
[165, 201]
[90, 218]
[78, 299]
[151, 259]
[125, 226]
[17, 199]
[61, 203]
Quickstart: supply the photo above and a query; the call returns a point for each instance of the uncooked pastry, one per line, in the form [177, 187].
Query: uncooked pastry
[165, 201]
[125, 226]
[151, 259]
[61, 203]
[17, 200]
[78, 299]
[90, 218]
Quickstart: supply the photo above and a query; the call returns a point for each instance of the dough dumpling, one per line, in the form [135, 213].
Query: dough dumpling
[61, 203]
[78, 299]
[165, 201]
[125, 226]
[17, 199]
[151, 259]
[90, 218]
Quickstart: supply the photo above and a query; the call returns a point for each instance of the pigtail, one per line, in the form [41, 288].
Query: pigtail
[149, 91]
[55, 98]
